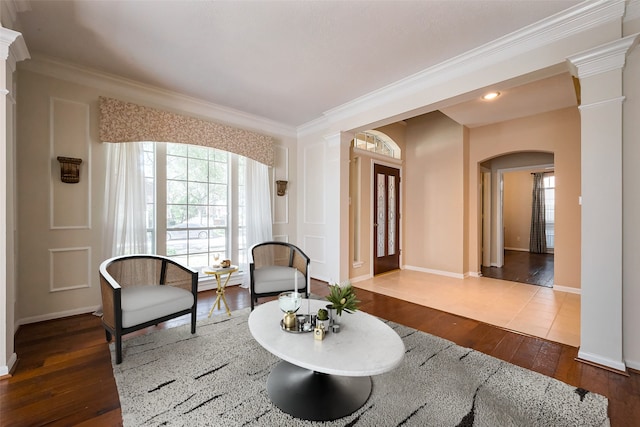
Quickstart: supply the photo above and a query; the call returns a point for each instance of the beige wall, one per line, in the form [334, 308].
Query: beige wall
[557, 132]
[60, 225]
[434, 217]
[440, 213]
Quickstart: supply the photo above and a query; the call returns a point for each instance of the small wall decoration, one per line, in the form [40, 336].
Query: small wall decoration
[281, 187]
[69, 169]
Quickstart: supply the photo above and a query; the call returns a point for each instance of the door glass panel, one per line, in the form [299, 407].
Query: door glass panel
[391, 234]
[381, 212]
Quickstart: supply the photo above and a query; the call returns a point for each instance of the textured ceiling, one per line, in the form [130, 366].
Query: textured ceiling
[288, 61]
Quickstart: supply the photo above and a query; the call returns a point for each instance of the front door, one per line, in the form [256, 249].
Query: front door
[386, 219]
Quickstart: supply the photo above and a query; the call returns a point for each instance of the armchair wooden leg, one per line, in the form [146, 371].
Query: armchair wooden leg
[118, 348]
[193, 320]
[108, 335]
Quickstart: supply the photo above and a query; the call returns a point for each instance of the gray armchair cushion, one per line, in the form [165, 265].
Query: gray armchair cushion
[142, 304]
[276, 278]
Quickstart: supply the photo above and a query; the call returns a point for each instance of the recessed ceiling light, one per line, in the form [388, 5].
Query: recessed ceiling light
[491, 95]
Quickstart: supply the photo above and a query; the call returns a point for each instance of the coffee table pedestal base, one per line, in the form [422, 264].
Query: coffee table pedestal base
[314, 396]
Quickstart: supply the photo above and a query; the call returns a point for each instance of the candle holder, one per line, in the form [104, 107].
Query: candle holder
[289, 301]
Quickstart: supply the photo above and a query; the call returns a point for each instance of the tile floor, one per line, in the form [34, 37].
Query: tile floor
[534, 310]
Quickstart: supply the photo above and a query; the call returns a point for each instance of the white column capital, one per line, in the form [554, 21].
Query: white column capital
[607, 57]
[12, 47]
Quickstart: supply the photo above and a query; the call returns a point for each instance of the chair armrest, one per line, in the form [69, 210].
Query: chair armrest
[179, 275]
[110, 291]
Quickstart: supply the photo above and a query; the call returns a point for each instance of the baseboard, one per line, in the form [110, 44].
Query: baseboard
[632, 364]
[7, 371]
[57, 315]
[360, 278]
[438, 272]
[567, 289]
[474, 274]
[517, 249]
[617, 366]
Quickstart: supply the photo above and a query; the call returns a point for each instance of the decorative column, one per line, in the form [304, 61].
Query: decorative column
[600, 74]
[337, 205]
[12, 50]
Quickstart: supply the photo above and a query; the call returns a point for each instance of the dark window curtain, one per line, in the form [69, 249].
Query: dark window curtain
[537, 235]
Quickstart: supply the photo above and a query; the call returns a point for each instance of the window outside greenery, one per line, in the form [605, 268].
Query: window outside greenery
[195, 203]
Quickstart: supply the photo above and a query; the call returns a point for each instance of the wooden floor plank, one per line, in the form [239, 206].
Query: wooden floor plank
[64, 375]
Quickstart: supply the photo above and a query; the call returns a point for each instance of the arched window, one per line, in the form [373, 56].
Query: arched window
[377, 142]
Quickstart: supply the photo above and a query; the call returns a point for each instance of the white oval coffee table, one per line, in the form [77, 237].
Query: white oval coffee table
[328, 379]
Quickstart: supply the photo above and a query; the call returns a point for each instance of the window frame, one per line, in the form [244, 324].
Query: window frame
[157, 220]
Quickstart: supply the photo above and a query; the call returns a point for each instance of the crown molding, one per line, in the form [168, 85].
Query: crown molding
[133, 90]
[608, 57]
[633, 10]
[315, 126]
[573, 21]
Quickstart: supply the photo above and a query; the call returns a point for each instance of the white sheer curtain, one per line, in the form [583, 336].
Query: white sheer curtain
[258, 205]
[125, 230]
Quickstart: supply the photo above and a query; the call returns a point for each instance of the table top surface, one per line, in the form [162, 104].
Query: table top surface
[220, 270]
[364, 346]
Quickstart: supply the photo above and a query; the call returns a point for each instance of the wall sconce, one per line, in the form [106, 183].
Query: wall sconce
[69, 169]
[281, 187]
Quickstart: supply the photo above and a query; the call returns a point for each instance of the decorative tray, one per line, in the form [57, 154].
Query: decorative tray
[297, 329]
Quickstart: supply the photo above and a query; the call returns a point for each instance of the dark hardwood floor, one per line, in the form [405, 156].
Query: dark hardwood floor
[64, 375]
[524, 267]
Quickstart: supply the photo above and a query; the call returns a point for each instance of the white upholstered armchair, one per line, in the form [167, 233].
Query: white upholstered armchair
[143, 290]
[275, 268]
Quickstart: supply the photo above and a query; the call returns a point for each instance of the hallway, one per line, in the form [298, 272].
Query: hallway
[530, 309]
[524, 267]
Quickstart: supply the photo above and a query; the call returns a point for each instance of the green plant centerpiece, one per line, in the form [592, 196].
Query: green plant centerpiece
[343, 298]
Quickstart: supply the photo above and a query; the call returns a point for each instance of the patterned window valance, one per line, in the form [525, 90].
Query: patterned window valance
[127, 122]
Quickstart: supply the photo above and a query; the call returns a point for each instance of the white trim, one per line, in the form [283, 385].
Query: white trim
[608, 57]
[616, 100]
[274, 194]
[567, 289]
[500, 211]
[125, 88]
[392, 161]
[52, 287]
[516, 249]
[58, 315]
[4, 370]
[633, 364]
[360, 278]
[571, 22]
[303, 178]
[438, 272]
[86, 176]
[13, 48]
[322, 240]
[473, 274]
[590, 357]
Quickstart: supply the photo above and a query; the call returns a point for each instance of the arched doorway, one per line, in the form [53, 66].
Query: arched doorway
[507, 183]
[375, 202]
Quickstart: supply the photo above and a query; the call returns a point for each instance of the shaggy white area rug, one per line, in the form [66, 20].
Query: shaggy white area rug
[218, 376]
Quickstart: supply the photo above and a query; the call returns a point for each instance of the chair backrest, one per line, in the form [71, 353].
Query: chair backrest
[280, 253]
[137, 270]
